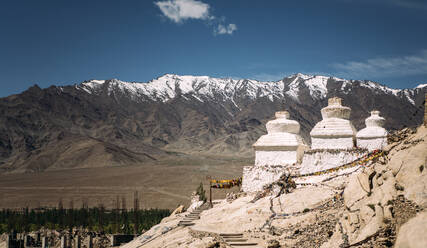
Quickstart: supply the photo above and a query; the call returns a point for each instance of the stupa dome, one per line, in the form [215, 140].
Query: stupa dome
[375, 120]
[335, 109]
[335, 131]
[282, 124]
[280, 145]
[374, 127]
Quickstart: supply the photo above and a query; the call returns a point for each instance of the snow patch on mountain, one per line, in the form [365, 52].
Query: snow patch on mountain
[409, 94]
[293, 89]
[317, 86]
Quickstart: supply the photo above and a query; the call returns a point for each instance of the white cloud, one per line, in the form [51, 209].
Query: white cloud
[180, 10]
[382, 67]
[225, 29]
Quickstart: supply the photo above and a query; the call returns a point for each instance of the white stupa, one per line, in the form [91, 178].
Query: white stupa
[335, 131]
[277, 152]
[282, 144]
[333, 140]
[373, 136]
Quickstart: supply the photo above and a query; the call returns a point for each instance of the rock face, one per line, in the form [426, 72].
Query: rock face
[373, 136]
[412, 234]
[335, 131]
[282, 145]
[387, 194]
[425, 111]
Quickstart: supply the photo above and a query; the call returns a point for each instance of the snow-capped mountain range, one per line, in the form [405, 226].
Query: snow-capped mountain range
[169, 86]
[111, 122]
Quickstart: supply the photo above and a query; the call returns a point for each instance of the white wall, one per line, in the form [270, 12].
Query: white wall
[255, 177]
[372, 144]
[323, 160]
[263, 158]
[332, 143]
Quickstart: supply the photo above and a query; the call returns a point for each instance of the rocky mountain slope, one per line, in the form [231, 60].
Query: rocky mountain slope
[380, 204]
[111, 122]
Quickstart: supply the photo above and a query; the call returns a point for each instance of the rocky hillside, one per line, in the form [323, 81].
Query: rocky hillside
[110, 122]
[382, 204]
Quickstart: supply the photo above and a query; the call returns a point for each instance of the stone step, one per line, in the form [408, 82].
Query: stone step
[243, 244]
[235, 240]
[193, 215]
[232, 237]
[185, 224]
[230, 234]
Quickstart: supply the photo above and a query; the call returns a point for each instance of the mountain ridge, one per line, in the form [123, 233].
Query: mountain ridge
[178, 116]
[314, 82]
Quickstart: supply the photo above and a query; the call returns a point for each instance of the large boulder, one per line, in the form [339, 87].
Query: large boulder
[409, 165]
[364, 181]
[178, 210]
[353, 192]
[412, 234]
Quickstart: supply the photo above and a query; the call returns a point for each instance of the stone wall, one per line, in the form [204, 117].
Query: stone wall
[326, 159]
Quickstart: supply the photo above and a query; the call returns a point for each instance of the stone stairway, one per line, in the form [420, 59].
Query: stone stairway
[189, 218]
[237, 240]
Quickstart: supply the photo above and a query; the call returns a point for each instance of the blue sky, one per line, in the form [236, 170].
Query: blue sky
[59, 42]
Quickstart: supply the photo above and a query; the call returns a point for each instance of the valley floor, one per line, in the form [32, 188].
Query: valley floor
[159, 186]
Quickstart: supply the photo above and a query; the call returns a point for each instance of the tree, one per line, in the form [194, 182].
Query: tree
[136, 212]
[201, 192]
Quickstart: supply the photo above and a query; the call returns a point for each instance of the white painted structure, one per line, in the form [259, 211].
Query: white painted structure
[256, 177]
[333, 144]
[275, 153]
[326, 159]
[335, 131]
[373, 136]
[282, 144]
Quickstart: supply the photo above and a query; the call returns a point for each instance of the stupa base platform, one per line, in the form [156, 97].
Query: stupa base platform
[323, 159]
[332, 143]
[256, 177]
[264, 158]
[372, 144]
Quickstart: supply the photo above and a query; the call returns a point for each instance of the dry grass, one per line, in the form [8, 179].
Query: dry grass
[160, 186]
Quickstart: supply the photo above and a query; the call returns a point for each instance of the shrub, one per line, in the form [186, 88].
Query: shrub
[201, 192]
